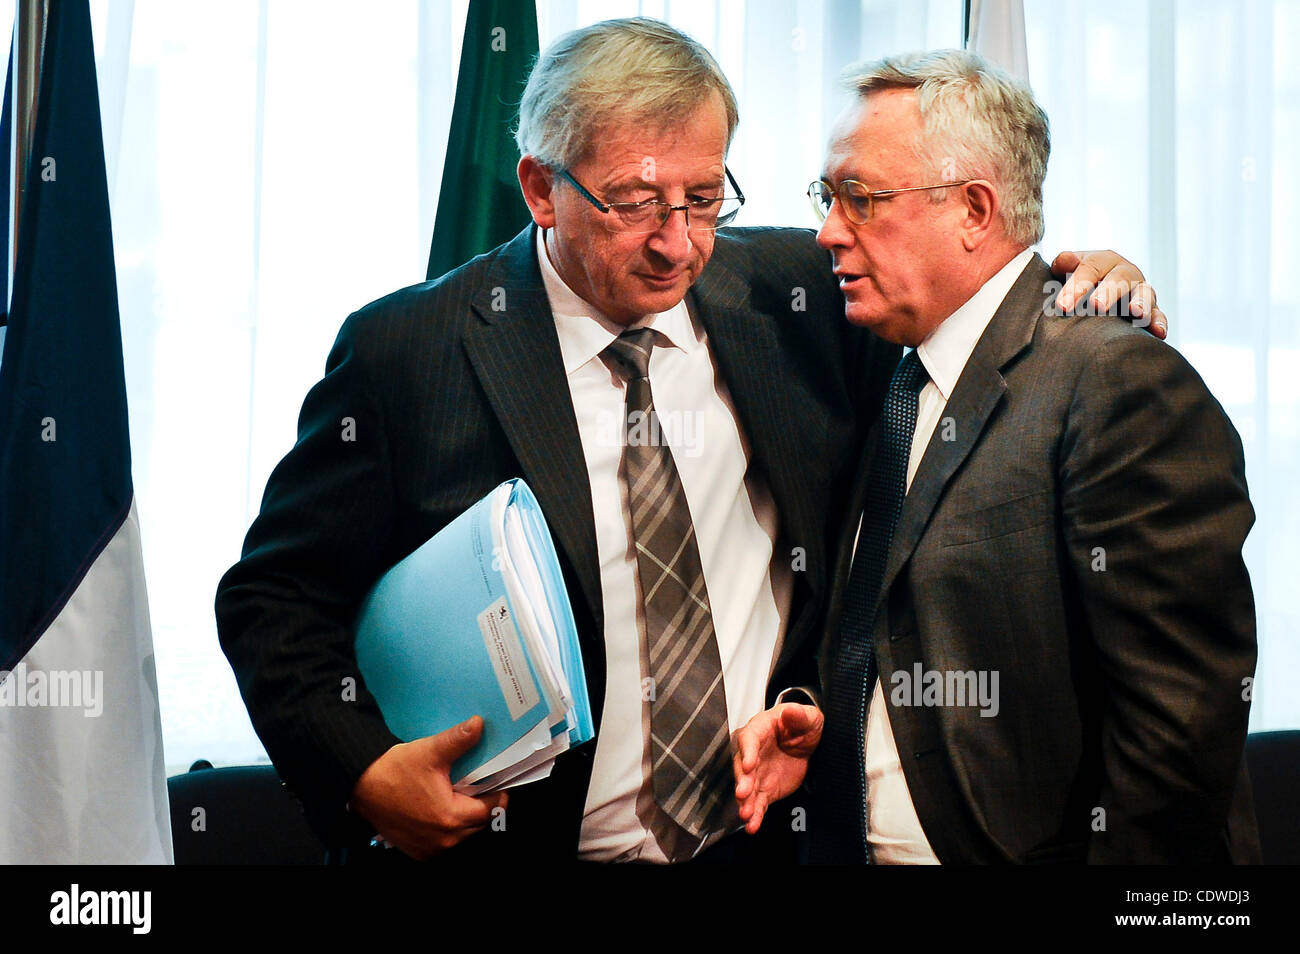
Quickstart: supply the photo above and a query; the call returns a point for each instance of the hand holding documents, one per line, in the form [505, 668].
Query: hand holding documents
[477, 621]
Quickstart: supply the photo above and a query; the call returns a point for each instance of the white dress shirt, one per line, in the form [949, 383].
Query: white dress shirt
[893, 831]
[735, 522]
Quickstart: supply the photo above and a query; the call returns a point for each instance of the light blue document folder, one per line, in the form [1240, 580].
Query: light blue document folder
[440, 638]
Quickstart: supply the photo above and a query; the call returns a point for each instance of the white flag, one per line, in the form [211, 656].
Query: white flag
[997, 33]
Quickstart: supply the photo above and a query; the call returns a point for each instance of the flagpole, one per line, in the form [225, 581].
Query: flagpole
[29, 41]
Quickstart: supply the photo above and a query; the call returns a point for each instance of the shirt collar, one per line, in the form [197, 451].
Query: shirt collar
[584, 332]
[947, 349]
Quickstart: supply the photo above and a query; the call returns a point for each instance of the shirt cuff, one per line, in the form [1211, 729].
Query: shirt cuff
[810, 695]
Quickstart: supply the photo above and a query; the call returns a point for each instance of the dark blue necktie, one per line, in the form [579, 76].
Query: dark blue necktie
[842, 778]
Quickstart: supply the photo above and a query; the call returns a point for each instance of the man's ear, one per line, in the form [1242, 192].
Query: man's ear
[537, 184]
[982, 204]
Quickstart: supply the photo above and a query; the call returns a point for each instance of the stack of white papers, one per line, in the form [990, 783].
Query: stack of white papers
[477, 621]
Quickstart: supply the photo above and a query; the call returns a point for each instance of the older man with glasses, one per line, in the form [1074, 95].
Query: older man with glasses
[1041, 634]
[696, 562]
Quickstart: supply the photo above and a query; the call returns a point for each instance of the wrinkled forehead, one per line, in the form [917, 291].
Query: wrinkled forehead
[877, 134]
[691, 144]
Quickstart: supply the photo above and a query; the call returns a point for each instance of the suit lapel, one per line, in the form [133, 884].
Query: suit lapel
[745, 346]
[976, 396]
[516, 354]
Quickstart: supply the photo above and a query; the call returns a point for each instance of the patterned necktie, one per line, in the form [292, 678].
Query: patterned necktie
[689, 734]
[853, 675]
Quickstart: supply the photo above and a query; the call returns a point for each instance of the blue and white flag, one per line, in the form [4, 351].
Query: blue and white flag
[81, 759]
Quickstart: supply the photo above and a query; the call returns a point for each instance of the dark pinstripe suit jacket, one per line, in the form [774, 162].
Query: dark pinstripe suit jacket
[1077, 529]
[455, 385]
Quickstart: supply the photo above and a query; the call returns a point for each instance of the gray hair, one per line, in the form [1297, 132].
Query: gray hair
[636, 70]
[979, 124]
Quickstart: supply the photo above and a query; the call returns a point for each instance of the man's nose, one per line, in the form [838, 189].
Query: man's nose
[673, 239]
[835, 231]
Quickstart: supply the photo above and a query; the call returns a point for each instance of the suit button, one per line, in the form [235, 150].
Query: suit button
[900, 634]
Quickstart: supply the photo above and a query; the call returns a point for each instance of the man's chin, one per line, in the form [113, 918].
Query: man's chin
[655, 300]
[860, 314]
[881, 325]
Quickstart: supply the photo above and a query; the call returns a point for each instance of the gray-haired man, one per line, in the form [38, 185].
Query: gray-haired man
[621, 297]
[1041, 630]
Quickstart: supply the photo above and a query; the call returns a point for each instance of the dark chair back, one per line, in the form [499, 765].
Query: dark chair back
[1273, 760]
[238, 816]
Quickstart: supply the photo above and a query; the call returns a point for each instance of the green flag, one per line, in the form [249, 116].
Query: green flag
[479, 205]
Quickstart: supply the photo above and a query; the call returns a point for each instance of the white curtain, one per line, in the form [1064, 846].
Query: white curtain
[1175, 127]
[274, 165]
